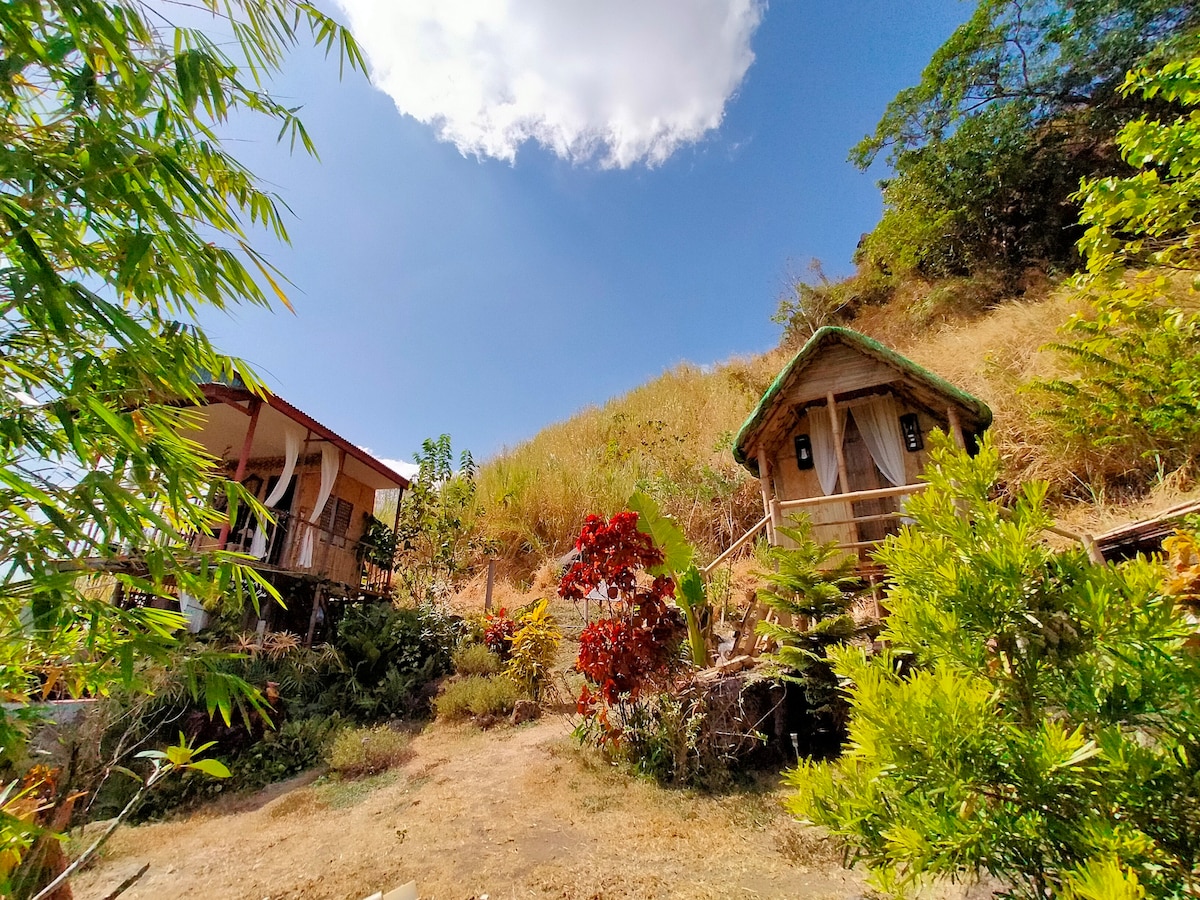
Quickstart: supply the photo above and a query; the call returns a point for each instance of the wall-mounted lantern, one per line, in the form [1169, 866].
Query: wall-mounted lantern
[804, 453]
[911, 429]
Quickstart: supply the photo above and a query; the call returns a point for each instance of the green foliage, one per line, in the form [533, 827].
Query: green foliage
[1035, 718]
[1017, 106]
[390, 654]
[678, 554]
[475, 659]
[812, 587]
[356, 752]
[811, 303]
[296, 746]
[377, 545]
[478, 696]
[533, 649]
[435, 534]
[1134, 385]
[121, 217]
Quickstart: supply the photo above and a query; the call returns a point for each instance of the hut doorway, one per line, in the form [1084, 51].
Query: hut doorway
[862, 474]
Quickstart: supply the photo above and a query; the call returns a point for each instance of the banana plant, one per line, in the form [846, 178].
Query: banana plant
[679, 563]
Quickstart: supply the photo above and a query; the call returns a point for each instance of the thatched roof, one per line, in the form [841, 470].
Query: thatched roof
[976, 414]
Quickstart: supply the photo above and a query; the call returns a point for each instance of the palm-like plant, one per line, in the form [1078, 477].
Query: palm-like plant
[811, 587]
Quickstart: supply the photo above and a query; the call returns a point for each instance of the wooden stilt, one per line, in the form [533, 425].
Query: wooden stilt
[312, 619]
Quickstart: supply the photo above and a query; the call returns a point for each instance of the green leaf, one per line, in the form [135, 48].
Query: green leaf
[213, 767]
[667, 536]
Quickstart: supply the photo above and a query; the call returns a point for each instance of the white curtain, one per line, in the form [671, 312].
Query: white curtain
[330, 463]
[879, 424]
[825, 452]
[292, 438]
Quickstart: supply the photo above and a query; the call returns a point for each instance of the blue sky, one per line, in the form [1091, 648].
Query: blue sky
[486, 297]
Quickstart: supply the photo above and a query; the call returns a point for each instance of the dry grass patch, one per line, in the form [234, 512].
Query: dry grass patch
[475, 659]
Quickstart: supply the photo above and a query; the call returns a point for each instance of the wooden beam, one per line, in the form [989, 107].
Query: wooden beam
[836, 425]
[240, 473]
[956, 429]
[767, 490]
[738, 544]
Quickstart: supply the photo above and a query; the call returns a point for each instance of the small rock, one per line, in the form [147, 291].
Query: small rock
[524, 711]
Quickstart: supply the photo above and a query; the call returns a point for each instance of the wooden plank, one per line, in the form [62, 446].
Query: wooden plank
[853, 496]
[840, 369]
[875, 518]
[737, 545]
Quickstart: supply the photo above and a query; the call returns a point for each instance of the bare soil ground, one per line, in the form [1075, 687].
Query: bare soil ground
[505, 813]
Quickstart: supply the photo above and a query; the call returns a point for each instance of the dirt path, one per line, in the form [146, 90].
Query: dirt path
[506, 813]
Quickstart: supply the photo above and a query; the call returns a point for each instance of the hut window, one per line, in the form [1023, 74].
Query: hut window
[335, 519]
[804, 452]
[911, 429]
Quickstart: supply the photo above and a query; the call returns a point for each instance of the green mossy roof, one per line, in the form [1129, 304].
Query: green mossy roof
[867, 346]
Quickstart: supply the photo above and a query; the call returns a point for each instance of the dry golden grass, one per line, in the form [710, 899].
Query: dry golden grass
[670, 437]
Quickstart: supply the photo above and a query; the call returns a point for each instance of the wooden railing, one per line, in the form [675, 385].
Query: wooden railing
[334, 556]
[835, 520]
[843, 523]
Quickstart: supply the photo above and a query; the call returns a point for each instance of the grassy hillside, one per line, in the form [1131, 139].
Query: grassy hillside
[672, 437]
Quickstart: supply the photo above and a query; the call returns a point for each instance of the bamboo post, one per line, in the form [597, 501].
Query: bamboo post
[956, 429]
[776, 521]
[240, 473]
[836, 425]
[768, 492]
[491, 580]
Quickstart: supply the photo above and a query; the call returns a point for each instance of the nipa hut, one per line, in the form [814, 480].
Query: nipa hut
[842, 435]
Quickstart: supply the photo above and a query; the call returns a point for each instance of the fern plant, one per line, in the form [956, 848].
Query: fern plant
[811, 587]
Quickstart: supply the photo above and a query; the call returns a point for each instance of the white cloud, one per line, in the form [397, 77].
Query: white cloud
[402, 467]
[625, 81]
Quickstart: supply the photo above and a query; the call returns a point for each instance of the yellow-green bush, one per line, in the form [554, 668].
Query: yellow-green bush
[534, 646]
[475, 659]
[477, 695]
[366, 751]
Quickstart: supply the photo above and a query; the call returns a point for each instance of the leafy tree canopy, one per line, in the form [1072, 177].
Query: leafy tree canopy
[121, 214]
[988, 148]
[1128, 405]
[1045, 56]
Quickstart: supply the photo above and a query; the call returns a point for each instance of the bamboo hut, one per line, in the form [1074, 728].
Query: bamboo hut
[842, 435]
[321, 491]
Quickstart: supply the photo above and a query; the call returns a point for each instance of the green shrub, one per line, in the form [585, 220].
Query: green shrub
[477, 695]
[367, 751]
[294, 747]
[534, 646]
[475, 659]
[1034, 717]
[390, 655]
